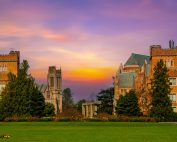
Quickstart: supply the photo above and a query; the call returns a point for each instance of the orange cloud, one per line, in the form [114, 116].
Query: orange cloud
[79, 74]
[90, 74]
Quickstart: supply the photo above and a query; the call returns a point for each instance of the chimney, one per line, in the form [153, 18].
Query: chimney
[171, 44]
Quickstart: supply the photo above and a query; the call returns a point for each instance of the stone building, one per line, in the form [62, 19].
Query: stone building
[138, 72]
[128, 76]
[53, 90]
[89, 109]
[8, 63]
[169, 56]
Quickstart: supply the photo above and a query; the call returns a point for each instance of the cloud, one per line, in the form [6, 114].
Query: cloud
[90, 74]
[87, 39]
[12, 30]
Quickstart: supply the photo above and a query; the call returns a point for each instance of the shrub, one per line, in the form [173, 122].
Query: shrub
[128, 104]
[49, 109]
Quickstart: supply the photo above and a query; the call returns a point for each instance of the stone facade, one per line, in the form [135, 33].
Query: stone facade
[144, 73]
[89, 109]
[169, 56]
[8, 63]
[53, 90]
[133, 75]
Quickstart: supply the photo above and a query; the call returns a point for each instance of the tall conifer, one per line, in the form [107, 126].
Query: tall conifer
[160, 89]
[21, 96]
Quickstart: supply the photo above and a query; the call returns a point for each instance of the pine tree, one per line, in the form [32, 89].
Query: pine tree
[128, 104]
[79, 104]
[67, 99]
[49, 109]
[21, 96]
[161, 104]
[106, 99]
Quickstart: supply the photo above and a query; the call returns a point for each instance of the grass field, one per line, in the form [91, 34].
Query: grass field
[88, 132]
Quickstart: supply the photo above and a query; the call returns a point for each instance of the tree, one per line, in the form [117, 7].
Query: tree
[79, 105]
[67, 99]
[106, 99]
[160, 89]
[128, 104]
[21, 96]
[49, 109]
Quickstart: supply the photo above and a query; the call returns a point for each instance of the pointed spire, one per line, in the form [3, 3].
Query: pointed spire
[120, 68]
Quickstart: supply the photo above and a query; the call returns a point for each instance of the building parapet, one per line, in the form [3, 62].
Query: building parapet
[13, 56]
[156, 50]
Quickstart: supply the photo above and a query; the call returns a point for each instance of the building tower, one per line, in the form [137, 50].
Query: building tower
[54, 91]
[8, 63]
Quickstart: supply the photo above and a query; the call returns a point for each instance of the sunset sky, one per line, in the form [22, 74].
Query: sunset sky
[88, 39]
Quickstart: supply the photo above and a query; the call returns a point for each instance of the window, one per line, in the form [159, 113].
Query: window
[172, 97]
[174, 109]
[3, 68]
[58, 82]
[172, 81]
[52, 81]
[169, 63]
[172, 63]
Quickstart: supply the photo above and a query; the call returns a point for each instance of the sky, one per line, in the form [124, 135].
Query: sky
[88, 39]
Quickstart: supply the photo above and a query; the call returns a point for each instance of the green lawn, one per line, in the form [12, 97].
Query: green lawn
[88, 132]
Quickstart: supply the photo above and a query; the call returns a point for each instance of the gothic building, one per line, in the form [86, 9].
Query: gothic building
[53, 90]
[8, 63]
[138, 72]
[133, 73]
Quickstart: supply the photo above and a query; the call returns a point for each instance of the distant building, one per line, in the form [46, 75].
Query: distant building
[8, 63]
[169, 56]
[53, 90]
[138, 72]
[127, 76]
[89, 109]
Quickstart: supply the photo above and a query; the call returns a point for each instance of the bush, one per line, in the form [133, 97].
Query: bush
[100, 118]
[128, 105]
[62, 119]
[170, 118]
[49, 109]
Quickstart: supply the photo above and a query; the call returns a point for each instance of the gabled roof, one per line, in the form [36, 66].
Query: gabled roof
[126, 79]
[137, 59]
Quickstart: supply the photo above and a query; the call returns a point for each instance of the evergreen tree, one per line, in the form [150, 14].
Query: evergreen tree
[161, 104]
[128, 104]
[21, 95]
[67, 99]
[79, 105]
[49, 109]
[106, 99]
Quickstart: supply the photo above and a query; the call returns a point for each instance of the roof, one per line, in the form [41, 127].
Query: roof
[137, 59]
[126, 79]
